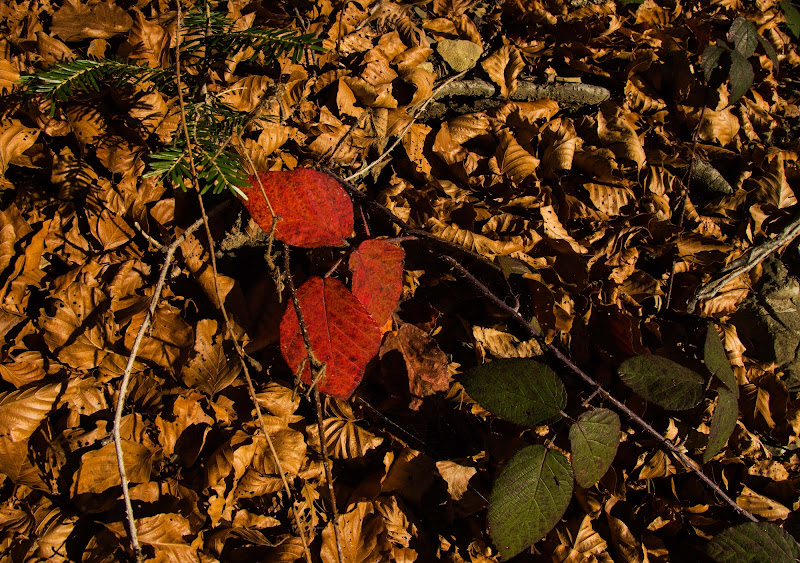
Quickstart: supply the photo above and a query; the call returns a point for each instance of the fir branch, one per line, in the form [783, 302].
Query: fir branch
[66, 79]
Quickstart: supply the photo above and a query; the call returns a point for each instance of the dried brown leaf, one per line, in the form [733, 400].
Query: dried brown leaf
[503, 67]
[75, 21]
[98, 469]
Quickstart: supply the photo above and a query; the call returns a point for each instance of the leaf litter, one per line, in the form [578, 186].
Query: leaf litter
[581, 205]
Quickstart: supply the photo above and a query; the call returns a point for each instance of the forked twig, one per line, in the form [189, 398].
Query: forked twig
[126, 378]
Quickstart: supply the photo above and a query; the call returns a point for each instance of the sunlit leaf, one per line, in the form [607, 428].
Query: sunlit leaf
[594, 439]
[312, 207]
[377, 268]
[754, 542]
[343, 335]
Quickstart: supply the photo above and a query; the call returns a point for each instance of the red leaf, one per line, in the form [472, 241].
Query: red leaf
[377, 268]
[312, 207]
[342, 334]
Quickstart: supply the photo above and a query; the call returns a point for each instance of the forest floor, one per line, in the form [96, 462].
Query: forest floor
[582, 171]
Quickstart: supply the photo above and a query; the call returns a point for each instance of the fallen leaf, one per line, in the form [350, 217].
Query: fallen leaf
[313, 209]
[377, 268]
[343, 335]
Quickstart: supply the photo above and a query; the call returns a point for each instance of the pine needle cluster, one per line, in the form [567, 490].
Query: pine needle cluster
[210, 41]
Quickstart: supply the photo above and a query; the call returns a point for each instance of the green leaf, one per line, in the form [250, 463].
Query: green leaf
[743, 35]
[722, 424]
[770, 51]
[520, 390]
[528, 498]
[710, 60]
[594, 440]
[717, 360]
[753, 542]
[663, 382]
[792, 15]
[741, 76]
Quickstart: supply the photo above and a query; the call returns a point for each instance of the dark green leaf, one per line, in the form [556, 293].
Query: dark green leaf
[770, 50]
[528, 498]
[743, 36]
[594, 439]
[710, 62]
[722, 424]
[717, 360]
[792, 15]
[663, 382]
[754, 542]
[741, 75]
[520, 390]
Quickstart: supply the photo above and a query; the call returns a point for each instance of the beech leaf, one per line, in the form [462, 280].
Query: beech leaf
[594, 439]
[520, 390]
[343, 335]
[528, 498]
[663, 382]
[723, 422]
[377, 268]
[753, 542]
[313, 209]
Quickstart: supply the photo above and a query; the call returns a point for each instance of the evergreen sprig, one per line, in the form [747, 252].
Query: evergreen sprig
[64, 80]
[210, 40]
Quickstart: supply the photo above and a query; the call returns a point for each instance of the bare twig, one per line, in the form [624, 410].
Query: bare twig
[318, 372]
[682, 199]
[745, 263]
[221, 302]
[126, 378]
[387, 152]
[636, 419]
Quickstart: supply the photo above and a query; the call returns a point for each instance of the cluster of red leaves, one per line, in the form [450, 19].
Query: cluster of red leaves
[311, 209]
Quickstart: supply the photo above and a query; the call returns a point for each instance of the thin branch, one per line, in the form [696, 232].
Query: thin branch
[745, 263]
[636, 419]
[387, 152]
[318, 372]
[126, 378]
[221, 302]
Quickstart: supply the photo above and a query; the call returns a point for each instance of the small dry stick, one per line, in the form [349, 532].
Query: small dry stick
[745, 263]
[126, 378]
[387, 152]
[221, 302]
[318, 369]
[682, 203]
[640, 422]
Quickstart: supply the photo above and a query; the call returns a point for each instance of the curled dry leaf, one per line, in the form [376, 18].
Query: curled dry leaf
[213, 366]
[312, 208]
[426, 364]
[343, 336]
[515, 161]
[504, 345]
[15, 139]
[503, 67]
[75, 21]
[98, 468]
[362, 536]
